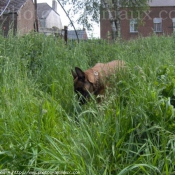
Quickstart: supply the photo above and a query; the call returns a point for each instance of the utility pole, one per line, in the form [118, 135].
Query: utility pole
[36, 17]
[65, 34]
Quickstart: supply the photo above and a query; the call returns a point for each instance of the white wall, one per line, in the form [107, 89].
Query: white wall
[53, 20]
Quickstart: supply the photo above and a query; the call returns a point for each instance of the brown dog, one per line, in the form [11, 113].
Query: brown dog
[94, 80]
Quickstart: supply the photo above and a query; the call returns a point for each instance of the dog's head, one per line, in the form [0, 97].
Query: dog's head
[83, 84]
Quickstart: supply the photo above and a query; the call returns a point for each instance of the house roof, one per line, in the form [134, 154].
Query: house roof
[155, 3]
[43, 10]
[14, 5]
[81, 34]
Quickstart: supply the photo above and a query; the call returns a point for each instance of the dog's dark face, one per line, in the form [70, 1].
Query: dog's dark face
[82, 86]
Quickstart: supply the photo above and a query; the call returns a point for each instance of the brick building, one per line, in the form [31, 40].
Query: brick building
[19, 16]
[159, 19]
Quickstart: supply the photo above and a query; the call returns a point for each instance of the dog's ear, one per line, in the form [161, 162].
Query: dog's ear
[74, 74]
[80, 73]
[91, 78]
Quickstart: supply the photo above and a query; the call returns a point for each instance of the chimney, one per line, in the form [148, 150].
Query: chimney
[54, 5]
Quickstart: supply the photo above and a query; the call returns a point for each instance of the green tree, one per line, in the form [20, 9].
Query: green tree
[89, 11]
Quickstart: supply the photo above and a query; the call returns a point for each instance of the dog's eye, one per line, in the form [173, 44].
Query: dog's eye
[82, 79]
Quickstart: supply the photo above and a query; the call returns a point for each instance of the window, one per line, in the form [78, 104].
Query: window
[133, 25]
[173, 20]
[157, 24]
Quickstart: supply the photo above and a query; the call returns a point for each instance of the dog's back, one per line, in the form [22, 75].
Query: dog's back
[109, 68]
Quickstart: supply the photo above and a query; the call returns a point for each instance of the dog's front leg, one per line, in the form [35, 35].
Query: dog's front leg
[100, 95]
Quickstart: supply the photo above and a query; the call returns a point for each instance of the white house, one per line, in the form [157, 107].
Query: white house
[49, 19]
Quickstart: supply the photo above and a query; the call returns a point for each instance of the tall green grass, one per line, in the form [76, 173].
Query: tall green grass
[43, 128]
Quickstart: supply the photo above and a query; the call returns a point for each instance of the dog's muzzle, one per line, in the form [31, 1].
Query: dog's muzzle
[83, 96]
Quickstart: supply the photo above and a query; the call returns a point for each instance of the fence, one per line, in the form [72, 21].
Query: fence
[56, 32]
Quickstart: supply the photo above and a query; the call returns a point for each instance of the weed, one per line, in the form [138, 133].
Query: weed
[43, 128]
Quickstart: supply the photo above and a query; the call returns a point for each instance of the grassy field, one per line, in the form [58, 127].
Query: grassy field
[43, 129]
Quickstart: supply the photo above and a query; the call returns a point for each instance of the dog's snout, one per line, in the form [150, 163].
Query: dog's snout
[82, 96]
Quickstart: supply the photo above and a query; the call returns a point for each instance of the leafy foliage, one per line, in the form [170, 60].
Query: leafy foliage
[166, 86]
[89, 10]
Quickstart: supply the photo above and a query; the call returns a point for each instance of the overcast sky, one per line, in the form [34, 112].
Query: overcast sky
[65, 20]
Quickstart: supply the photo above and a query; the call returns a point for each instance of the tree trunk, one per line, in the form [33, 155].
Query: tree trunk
[111, 18]
[118, 19]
